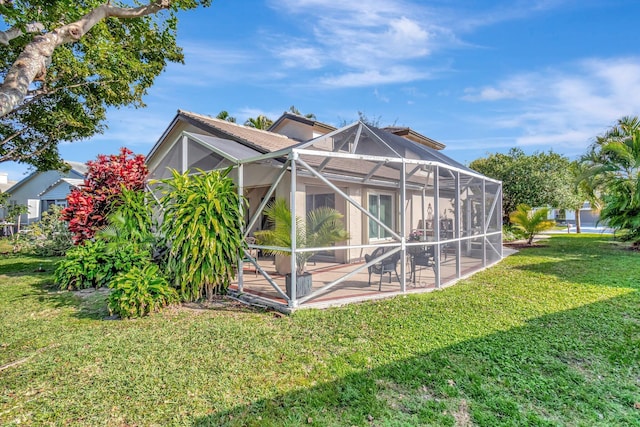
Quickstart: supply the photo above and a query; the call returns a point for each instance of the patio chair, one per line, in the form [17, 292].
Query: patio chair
[421, 256]
[386, 265]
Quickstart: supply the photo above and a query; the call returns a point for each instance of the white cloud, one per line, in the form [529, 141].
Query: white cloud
[470, 144]
[516, 87]
[206, 66]
[302, 57]
[374, 77]
[565, 107]
[380, 96]
[137, 129]
[363, 39]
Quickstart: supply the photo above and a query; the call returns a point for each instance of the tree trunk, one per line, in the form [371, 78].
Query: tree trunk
[578, 221]
[32, 63]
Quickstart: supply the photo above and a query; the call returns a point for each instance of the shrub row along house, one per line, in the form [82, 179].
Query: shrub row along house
[415, 219]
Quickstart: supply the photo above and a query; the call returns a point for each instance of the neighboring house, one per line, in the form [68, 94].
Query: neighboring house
[589, 216]
[396, 191]
[5, 184]
[40, 190]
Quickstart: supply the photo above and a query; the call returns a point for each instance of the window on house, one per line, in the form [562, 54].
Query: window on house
[381, 207]
[315, 201]
[46, 204]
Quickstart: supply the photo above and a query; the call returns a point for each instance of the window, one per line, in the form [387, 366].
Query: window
[46, 204]
[381, 207]
[315, 201]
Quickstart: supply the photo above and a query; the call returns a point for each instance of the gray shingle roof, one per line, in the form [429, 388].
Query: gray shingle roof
[262, 140]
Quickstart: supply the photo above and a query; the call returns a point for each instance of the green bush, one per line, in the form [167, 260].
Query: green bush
[511, 233]
[140, 291]
[202, 227]
[95, 263]
[531, 222]
[48, 237]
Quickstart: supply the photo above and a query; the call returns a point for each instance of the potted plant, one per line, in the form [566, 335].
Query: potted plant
[323, 227]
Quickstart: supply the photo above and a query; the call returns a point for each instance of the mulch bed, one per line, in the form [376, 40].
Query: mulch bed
[519, 245]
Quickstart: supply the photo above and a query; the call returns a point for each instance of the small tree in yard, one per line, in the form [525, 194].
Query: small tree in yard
[538, 179]
[202, 226]
[89, 206]
[531, 222]
[16, 211]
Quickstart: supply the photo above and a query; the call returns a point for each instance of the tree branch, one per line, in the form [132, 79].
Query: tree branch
[38, 94]
[36, 56]
[14, 32]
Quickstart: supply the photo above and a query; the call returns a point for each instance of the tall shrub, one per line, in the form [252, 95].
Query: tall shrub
[90, 205]
[132, 221]
[202, 226]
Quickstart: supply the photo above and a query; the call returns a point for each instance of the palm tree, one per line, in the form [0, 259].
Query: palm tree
[531, 222]
[294, 110]
[260, 122]
[584, 188]
[224, 115]
[322, 228]
[614, 160]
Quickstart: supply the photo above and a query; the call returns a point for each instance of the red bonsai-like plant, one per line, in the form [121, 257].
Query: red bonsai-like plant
[89, 206]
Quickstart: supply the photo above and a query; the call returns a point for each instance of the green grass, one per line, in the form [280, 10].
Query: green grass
[550, 336]
[5, 245]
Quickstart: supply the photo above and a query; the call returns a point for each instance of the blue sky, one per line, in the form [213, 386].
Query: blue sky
[478, 76]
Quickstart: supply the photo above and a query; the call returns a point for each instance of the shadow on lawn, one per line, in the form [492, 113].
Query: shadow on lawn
[578, 271]
[574, 367]
[27, 265]
[591, 263]
[88, 304]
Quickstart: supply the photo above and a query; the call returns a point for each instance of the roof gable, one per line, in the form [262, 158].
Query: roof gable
[257, 139]
[77, 170]
[287, 116]
[412, 135]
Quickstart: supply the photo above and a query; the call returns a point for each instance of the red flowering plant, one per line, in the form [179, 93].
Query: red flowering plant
[89, 205]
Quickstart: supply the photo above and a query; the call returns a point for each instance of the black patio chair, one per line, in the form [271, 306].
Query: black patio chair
[421, 256]
[386, 265]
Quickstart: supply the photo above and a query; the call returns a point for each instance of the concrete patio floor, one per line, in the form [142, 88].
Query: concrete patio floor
[256, 288]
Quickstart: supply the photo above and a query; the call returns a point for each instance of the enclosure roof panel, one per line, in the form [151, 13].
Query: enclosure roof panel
[228, 148]
[401, 147]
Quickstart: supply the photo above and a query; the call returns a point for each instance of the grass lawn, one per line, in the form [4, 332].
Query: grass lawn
[550, 336]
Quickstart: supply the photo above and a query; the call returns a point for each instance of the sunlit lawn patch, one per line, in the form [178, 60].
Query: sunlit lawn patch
[550, 336]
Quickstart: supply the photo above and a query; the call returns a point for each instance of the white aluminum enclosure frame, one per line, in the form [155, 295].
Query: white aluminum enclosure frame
[296, 166]
[307, 162]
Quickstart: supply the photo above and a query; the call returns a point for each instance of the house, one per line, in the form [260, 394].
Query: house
[42, 189]
[589, 216]
[5, 183]
[417, 219]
